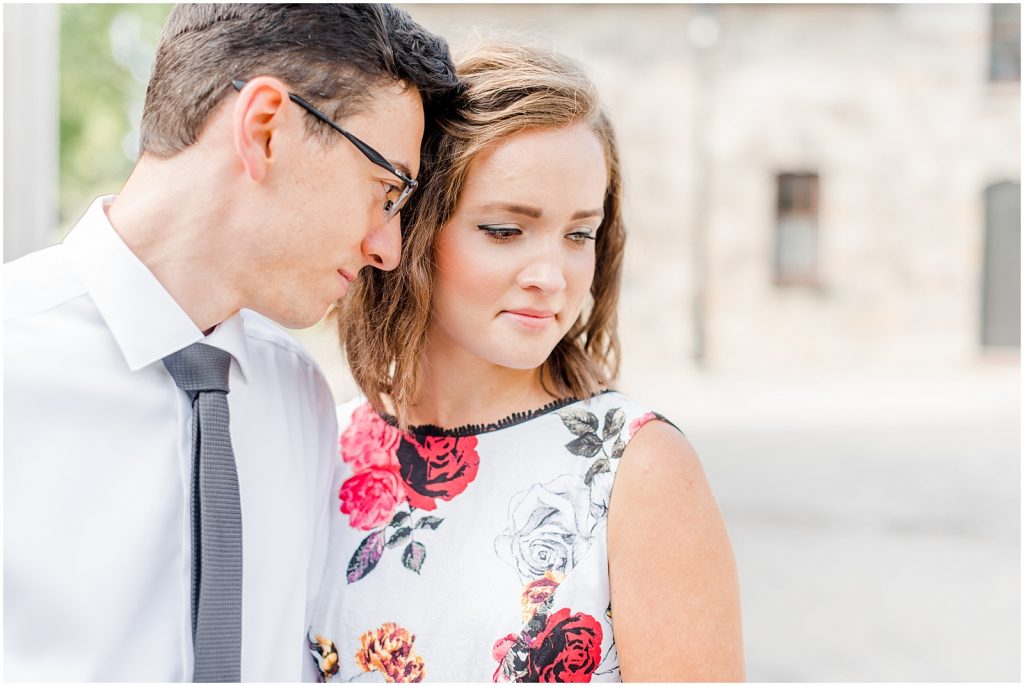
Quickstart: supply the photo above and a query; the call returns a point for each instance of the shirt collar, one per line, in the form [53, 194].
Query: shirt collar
[229, 336]
[146, 322]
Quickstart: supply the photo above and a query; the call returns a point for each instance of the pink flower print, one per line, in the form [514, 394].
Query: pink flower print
[635, 425]
[369, 441]
[370, 497]
[498, 652]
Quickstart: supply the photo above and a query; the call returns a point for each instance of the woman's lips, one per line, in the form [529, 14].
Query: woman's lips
[527, 312]
[533, 320]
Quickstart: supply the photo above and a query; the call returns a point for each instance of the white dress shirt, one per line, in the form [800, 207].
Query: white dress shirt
[97, 472]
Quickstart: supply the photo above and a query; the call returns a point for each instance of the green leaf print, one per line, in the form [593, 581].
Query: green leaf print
[613, 422]
[366, 556]
[429, 523]
[414, 555]
[586, 445]
[399, 537]
[599, 467]
[579, 421]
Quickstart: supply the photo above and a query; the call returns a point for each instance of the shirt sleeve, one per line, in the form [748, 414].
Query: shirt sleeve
[325, 474]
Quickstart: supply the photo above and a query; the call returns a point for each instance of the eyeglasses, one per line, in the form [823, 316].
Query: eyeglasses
[396, 198]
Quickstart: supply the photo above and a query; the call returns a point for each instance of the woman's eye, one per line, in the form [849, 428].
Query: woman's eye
[499, 233]
[581, 237]
[391, 191]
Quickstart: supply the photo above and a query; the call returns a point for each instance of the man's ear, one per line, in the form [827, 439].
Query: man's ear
[257, 120]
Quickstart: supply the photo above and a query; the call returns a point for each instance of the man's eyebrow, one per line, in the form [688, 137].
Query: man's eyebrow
[404, 168]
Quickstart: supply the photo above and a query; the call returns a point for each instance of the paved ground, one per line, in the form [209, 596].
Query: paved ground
[873, 544]
[875, 517]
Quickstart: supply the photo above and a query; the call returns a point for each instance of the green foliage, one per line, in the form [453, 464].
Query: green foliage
[105, 55]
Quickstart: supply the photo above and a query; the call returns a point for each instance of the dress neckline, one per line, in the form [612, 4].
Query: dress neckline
[513, 419]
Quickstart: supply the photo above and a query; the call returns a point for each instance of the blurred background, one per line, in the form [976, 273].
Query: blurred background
[822, 285]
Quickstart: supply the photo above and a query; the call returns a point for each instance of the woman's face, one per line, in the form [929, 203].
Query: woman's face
[515, 262]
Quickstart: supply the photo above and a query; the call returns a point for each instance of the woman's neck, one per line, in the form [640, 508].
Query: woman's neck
[458, 388]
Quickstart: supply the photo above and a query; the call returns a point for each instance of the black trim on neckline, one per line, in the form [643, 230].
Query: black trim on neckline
[504, 423]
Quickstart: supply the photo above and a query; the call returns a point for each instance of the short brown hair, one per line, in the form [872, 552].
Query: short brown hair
[383, 323]
[330, 54]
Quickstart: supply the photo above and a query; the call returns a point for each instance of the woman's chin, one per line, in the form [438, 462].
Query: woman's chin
[523, 360]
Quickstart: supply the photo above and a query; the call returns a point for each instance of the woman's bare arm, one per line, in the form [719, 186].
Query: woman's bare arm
[674, 587]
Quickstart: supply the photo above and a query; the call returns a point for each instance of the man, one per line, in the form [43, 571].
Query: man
[167, 451]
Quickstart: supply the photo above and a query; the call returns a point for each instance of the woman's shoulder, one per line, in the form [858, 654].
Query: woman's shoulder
[609, 413]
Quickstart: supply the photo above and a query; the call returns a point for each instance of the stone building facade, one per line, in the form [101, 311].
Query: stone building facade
[888, 111]
[808, 187]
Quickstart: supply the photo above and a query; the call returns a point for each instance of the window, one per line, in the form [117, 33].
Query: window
[1000, 309]
[1004, 43]
[796, 234]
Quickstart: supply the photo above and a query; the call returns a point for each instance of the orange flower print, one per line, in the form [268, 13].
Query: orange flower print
[326, 655]
[388, 649]
[537, 592]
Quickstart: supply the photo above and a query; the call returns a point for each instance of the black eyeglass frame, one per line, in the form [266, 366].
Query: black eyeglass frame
[410, 184]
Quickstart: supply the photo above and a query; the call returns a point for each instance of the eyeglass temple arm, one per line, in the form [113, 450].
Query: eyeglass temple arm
[376, 157]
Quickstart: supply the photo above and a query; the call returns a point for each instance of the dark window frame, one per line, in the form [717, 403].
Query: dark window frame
[1004, 43]
[797, 199]
[1000, 306]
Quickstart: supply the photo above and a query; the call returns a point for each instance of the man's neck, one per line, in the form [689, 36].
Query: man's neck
[173, 225]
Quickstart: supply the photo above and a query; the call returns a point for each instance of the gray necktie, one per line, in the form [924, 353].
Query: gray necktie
[202, 371]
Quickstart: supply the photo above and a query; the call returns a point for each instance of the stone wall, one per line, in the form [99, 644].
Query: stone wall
[889, 104]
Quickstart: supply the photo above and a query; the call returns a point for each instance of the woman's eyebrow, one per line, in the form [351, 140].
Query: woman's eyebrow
[536, 212]
[532, 212]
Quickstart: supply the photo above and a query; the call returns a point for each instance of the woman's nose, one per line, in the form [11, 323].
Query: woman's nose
[543, 271]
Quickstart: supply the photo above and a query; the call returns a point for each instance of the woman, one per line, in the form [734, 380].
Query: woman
[483, 540]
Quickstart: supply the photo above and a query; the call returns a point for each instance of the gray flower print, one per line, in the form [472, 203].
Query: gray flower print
[549, 527]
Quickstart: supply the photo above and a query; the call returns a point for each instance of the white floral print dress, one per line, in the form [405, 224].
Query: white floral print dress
[473, 554]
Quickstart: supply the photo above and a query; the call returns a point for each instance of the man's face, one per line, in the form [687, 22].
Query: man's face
[327, 220]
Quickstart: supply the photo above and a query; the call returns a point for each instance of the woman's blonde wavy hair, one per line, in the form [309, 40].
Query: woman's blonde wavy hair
[384, 322]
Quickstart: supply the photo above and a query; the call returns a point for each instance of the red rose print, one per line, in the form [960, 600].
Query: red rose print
[635, 425]
[499, 651]
[567, 650]
[437, 467]
[501, 647]
[369, 441]
[369, 498]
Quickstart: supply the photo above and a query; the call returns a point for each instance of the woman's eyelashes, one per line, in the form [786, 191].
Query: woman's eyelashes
[581, 237]
[502, 234]
[496, 232]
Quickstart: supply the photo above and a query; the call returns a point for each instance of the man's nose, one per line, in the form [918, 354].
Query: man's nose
[383, 246]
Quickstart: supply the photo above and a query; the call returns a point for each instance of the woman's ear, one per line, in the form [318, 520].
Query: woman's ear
[260, 112]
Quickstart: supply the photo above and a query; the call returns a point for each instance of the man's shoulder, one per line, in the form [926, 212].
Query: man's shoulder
[38, 282]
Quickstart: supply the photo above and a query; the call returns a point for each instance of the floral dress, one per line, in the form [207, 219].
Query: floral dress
[473, 554]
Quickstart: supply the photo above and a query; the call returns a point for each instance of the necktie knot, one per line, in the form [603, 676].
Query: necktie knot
[200, 368]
